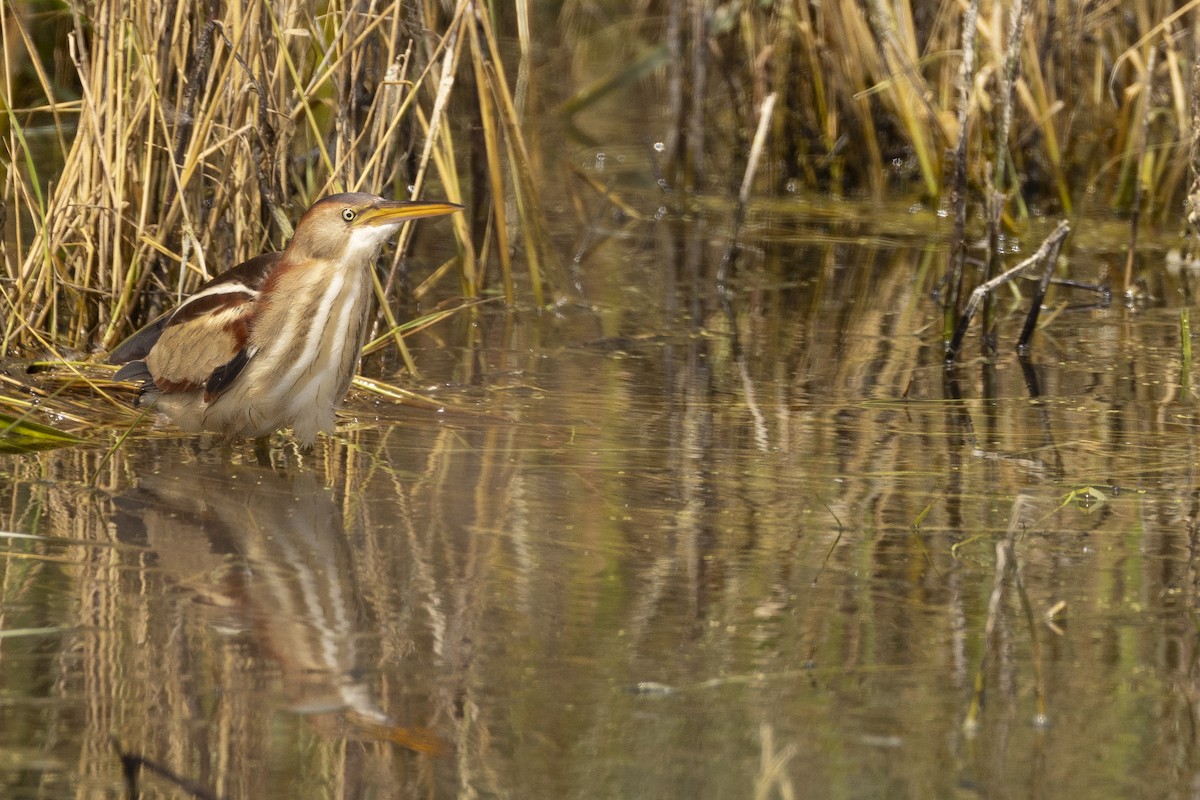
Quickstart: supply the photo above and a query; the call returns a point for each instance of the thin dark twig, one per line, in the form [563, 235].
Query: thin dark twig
[1096, 288]
[132, 764]
[265, 130]
[697, 117]
[833, 545]
[1035, 309]
[674, 90]
[185, 116]
[1052, 242]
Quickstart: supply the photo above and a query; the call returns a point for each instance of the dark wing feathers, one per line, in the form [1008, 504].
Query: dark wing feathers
[223, 375]
[133, 371]
[138, 345]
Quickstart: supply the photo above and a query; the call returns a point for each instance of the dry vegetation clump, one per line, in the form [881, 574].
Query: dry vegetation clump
[149, 146]
[1102, 97]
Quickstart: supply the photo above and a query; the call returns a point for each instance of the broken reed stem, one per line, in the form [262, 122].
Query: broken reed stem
[1143, 134]
[760, 137]
[729, 259]
[958, 190]
[1050, 246]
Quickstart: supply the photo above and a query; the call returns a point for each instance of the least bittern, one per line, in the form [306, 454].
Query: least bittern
[275, 341]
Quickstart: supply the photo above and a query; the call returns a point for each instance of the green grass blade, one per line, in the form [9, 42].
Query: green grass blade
[19, 435]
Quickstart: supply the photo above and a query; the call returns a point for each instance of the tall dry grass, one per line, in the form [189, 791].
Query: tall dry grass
[868, 98]
[149, 146]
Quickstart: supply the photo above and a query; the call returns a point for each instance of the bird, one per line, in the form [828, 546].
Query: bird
[275, 341]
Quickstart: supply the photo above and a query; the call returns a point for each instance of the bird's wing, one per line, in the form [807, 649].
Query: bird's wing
[250, 274]
[201, 338]
[202, 344]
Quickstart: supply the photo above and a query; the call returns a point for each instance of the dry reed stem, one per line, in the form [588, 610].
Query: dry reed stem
[1140, 143]
[491, 136]
[527, 195]
[997, 186]
[958, 188]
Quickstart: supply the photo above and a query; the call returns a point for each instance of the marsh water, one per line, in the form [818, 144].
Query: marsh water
[617, 551]
[643, 545]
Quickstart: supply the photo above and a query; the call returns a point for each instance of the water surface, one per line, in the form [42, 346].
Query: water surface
[626, 553]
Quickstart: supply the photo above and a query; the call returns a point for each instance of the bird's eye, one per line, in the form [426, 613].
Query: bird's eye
[348, 214]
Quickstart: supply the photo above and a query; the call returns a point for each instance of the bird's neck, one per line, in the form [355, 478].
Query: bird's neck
[328, 307]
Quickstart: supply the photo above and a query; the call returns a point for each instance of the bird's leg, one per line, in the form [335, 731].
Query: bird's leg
[262, 450]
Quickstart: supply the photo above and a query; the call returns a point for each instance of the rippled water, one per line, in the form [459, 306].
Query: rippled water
[624, 555]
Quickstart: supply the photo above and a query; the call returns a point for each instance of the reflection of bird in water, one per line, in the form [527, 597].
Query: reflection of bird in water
[272, 552]
[274, 341]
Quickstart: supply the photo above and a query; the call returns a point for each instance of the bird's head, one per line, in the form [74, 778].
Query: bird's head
[353, 226]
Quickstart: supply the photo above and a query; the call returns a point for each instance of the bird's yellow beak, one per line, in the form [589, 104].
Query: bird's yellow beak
[390, 211]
